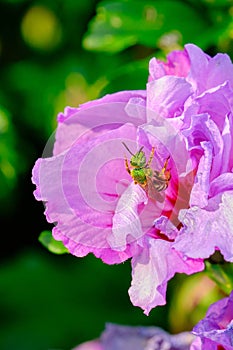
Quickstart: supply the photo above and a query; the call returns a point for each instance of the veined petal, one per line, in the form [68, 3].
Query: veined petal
[200, 190]
[177, 64]
[81, 188]
[166, 227]
[216, 102]
[215, 330]
[166, 96]
[205, 230]
[95, 118]
[151, 271]
[203, 128]
[220, 184]
[117, 337]
[198, 67]
[126, 224]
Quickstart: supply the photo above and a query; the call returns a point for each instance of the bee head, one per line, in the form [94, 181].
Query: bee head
[138, 160]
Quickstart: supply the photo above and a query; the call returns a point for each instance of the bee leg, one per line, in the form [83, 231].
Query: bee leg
[164, 169]
[166, 172]
[151, 156]
[127, 166]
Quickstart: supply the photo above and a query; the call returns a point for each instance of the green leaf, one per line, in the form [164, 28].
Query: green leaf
[11, 164]
[218, 3]
[51, 244]
[222, 275]
[131, 76]
[120, 24]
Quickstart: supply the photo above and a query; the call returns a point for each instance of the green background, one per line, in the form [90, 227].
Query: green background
[47, 50]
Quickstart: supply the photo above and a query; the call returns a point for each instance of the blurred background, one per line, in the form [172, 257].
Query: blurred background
[53, 54]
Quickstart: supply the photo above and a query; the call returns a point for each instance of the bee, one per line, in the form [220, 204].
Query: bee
[152, 181]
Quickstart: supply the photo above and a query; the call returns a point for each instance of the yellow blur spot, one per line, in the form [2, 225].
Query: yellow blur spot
[116, 21]
[170, 41]
[150, 14]
[40, 28]
[4, 123]
[78, 91]
[7, 169]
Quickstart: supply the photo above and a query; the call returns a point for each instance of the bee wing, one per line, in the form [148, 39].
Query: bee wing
[152, 192]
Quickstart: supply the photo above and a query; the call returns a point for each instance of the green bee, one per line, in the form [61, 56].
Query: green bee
[152, 181]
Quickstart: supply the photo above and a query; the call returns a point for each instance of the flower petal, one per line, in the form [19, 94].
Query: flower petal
[198, 67]
[166, 227]
[203, 128]
[177, 64]
[216, 328]
[205, 230]
[126, 225]
[200, 190]
[90, 345]
[94, 118]
[166, 96]
[152, 270]
[82, 210]
[117, 337]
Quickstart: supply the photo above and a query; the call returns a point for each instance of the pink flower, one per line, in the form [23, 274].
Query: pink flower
[90, 345]
[208, 129]
[184, 115]
[215, 331]
[117, 337]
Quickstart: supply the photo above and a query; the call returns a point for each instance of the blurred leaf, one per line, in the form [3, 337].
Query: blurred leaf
[40, 91]
[56, 247]
[120, 24]
[190, 297]
[131, 76]
[217, 3]
[14, 1]
[55, 302]
[11, 164]
[222, 275]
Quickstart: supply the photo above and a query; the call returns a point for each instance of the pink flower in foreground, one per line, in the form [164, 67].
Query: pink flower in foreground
[185, 115]
[215, 331]
[90, 345]
[117, 337]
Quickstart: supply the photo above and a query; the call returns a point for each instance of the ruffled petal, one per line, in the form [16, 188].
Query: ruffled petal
[126, 224]
[166, 96]
[95, 118]
[198, 67]
[152, 270]
[121, 96]
[200, 191]
[117, 337]
[216, 328]
[219, 70]
[217, 102]
[177, 64]
[206, 230]
[81, 188]
[207, 72]
[222, 183]
[166, 227]
[203, 128]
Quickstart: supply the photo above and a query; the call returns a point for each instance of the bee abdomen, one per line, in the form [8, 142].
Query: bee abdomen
[138, 176]
[160, 182]
[160, 186]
